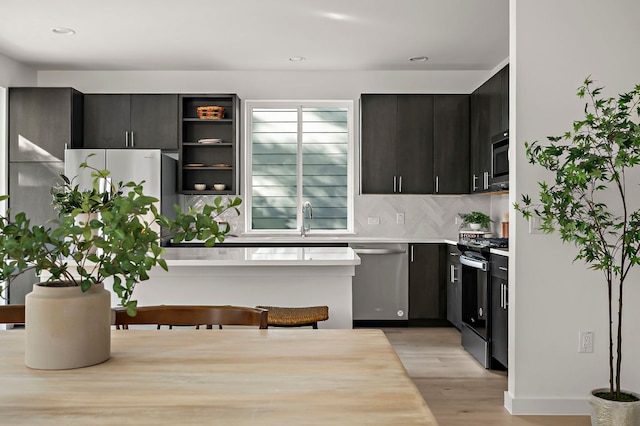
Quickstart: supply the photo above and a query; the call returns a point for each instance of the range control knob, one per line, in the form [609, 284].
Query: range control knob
[400, 313]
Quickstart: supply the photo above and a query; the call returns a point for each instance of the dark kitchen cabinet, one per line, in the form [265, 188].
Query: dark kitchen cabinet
[397, 144]
[209, 147]
[42, 121]
[504, 94]
[145, 121]
[415, 144]
[451, 144]
[489, 115]
[479, 140]
[500, 309]
[454, 287]
[427, 291]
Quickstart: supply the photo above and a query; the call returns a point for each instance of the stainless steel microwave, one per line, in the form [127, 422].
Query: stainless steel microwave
[500, 161]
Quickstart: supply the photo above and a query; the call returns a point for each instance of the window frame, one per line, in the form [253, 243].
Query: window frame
[247, 174]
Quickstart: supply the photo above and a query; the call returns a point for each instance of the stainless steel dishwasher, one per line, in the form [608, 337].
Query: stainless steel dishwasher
[381, 284]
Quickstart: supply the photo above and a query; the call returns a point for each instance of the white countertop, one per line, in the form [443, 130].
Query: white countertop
[261, 256]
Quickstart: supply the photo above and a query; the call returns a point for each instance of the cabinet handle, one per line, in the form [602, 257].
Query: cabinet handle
[502, 295]
[411, 253]
[502, 268]
[132, 140]
[126, 139]
[394, 184]
[453, 278]
[454, 254]
[474, 184]
[486, 180]
[400, 184]
[437, 184]
[506, 296]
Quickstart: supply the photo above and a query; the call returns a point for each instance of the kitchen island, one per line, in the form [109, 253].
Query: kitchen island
[251, 276]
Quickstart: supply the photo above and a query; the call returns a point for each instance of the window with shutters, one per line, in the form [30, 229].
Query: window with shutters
[298, 152]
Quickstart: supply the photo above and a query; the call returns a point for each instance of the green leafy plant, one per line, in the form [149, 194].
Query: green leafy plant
[590, 164]
[476, 217]
[122, 242]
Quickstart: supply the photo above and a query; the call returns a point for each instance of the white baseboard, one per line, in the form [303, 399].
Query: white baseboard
[546, 406]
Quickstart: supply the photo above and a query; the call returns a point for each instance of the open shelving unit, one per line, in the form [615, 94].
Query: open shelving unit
[209, 163]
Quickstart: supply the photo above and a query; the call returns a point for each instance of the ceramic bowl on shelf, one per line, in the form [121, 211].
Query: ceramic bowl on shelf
[219, 186]
[200, 186]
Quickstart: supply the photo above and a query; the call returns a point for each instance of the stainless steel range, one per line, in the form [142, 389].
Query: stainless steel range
[476, 297]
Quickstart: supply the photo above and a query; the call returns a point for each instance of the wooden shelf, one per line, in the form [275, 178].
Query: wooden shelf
[205, 120]
[193, 129]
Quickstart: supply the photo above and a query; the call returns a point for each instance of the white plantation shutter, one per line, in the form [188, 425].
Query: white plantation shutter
[298, 154]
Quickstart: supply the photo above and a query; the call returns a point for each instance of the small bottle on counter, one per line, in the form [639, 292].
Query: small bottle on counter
[505, 226]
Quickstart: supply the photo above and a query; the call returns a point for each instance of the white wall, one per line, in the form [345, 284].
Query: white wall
[267, 84]
[554, 46]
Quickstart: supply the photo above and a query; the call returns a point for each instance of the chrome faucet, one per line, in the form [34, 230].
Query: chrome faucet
[306, 209]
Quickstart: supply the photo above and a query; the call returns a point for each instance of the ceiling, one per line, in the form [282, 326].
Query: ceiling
[228, 35]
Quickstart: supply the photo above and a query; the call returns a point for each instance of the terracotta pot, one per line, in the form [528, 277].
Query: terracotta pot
[614, 413]
[66, 328]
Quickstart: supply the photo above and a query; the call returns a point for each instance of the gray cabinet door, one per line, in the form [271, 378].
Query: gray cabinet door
[106, 121]
[427, 294]
[415, 144]
[451, 144]
[29, 188]
[480, 140]
[131, 121]
[154, 121]
[500, 309]
[379, 141]
[454, 287]
[42, 121]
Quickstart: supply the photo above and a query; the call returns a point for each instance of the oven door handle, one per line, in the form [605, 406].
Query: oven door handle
[473, 263]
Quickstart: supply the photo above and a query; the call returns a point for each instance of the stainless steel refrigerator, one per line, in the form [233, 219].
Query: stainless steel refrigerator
[157, 169]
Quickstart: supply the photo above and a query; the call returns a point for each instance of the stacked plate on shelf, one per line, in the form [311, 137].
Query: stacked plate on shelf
[205, 141]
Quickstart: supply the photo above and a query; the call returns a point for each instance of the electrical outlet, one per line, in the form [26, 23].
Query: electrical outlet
[534, 225]
[585, 344]
[400, 218]
[373, 220]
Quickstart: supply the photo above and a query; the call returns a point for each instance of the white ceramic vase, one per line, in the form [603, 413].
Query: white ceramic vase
[614, 413]
[475, 226]
[66, 328]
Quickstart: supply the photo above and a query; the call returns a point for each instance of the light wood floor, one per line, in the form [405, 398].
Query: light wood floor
[459, 391]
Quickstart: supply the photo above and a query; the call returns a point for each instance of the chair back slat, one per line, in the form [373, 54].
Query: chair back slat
[12, 314]
[189, 315]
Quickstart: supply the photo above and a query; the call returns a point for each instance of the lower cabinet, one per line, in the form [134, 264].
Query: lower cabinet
[427, 287]
[454, 287]
[499, 309]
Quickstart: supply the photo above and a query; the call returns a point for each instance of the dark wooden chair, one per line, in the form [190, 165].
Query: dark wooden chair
[189, 315]
[12, 314]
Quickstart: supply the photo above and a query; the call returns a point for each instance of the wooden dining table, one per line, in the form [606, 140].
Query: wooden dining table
[284, 377]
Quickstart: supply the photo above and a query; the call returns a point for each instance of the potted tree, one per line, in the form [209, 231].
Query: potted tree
[592, 165]
[122, 243]
[476, 220]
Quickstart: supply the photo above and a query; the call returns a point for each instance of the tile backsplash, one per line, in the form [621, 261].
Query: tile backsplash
[425, 216]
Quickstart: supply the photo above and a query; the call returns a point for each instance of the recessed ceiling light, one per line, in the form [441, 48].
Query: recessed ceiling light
[297, 58]
[418, 59]
[63, 31]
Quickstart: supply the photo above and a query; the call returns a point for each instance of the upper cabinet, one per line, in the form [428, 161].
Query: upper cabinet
[451, 144]
[209, 144]
[409, 142]
[489, 109]
[42, 121]
[131, 121]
